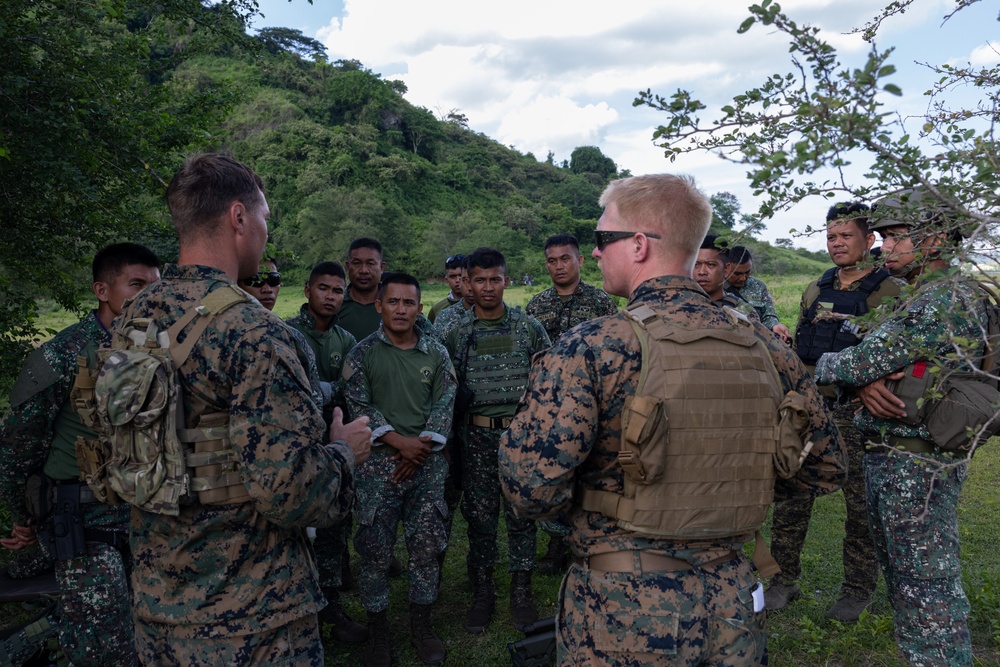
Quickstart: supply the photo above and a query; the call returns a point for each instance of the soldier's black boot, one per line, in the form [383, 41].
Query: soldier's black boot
[484, 599]
[344, 628]
[522, 603]
[378, 653]
[556, 557]
[429, 648]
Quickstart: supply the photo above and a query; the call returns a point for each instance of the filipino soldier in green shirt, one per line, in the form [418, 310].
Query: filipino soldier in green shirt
[402, 379]
[453, 276]
[317, 322]
[364, 267]
[38, 436]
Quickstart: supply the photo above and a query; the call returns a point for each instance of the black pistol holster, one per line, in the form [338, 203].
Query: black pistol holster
[59, 513]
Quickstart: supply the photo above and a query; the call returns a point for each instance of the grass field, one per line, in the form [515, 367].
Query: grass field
[799, 636]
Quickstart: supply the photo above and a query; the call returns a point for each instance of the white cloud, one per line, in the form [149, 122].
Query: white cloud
[987, 55]
[544, 75]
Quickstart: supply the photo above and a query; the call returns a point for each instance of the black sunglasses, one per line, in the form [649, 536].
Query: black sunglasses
[454, 258]
[272, 279]
[603, 238]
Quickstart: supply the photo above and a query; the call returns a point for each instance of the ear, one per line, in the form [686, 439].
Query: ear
[235, 216]
[378, 306]
[506, 282]
[420, 308]
[870, 239]
[101, 290]
[640, 248]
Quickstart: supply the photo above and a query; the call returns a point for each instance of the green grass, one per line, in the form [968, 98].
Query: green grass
[799, 636]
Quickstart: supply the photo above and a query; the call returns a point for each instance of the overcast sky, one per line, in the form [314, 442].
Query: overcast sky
[544, 76]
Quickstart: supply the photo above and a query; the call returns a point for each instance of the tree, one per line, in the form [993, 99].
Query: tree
[282, 40]
[783, 243]
[799, 132]
[590, 160]
[827, 129]
[85, 132]
[725, 209]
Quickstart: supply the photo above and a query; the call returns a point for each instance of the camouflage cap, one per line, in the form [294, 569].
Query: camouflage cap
[906, 208]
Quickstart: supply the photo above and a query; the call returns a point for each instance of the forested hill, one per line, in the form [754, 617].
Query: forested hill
[344, 154]
[101, 100]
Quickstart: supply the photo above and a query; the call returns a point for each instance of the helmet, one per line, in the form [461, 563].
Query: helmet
[906, 207]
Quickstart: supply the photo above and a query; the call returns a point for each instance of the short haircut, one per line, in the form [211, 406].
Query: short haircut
[485, 258]
[111, 260]
[739, 255]
[665, 204]
[335, 269]
[205, 187]
[711, 242]
[454, 262]
[364, 242]
[396, 278]
[850, 210]
[562, 239]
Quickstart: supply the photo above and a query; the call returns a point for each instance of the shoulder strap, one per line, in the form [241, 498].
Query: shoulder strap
[871, 282]
[214, 303]
[827, 278]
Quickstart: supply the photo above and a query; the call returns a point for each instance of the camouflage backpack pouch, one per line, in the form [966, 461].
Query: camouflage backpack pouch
[138, 404]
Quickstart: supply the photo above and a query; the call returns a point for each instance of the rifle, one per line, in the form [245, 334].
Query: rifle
[538, 648]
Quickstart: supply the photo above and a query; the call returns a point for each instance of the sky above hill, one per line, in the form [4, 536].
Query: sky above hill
[540, 75]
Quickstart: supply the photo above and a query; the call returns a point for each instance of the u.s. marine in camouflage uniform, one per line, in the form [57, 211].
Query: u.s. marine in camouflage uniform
[404, 478]
[630, 599]
[912, 486]
[491, 348]
[237, 583]
[39, 436]
[851, 289]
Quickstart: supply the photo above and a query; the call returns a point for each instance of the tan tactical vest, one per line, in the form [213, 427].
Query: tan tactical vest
[144, 455]
[702, 439]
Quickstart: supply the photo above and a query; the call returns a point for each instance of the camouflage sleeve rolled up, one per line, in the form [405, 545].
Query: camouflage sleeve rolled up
[278, 432]
[934, 325]
[555, 430]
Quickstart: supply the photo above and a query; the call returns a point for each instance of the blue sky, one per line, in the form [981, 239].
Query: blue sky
[541, 75]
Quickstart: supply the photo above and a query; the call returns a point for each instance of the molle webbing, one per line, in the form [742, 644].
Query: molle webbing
[822, 333]
[216, 473]
[498, 362]
[699, 437]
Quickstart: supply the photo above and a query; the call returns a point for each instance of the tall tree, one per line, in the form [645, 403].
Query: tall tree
[83, 135]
